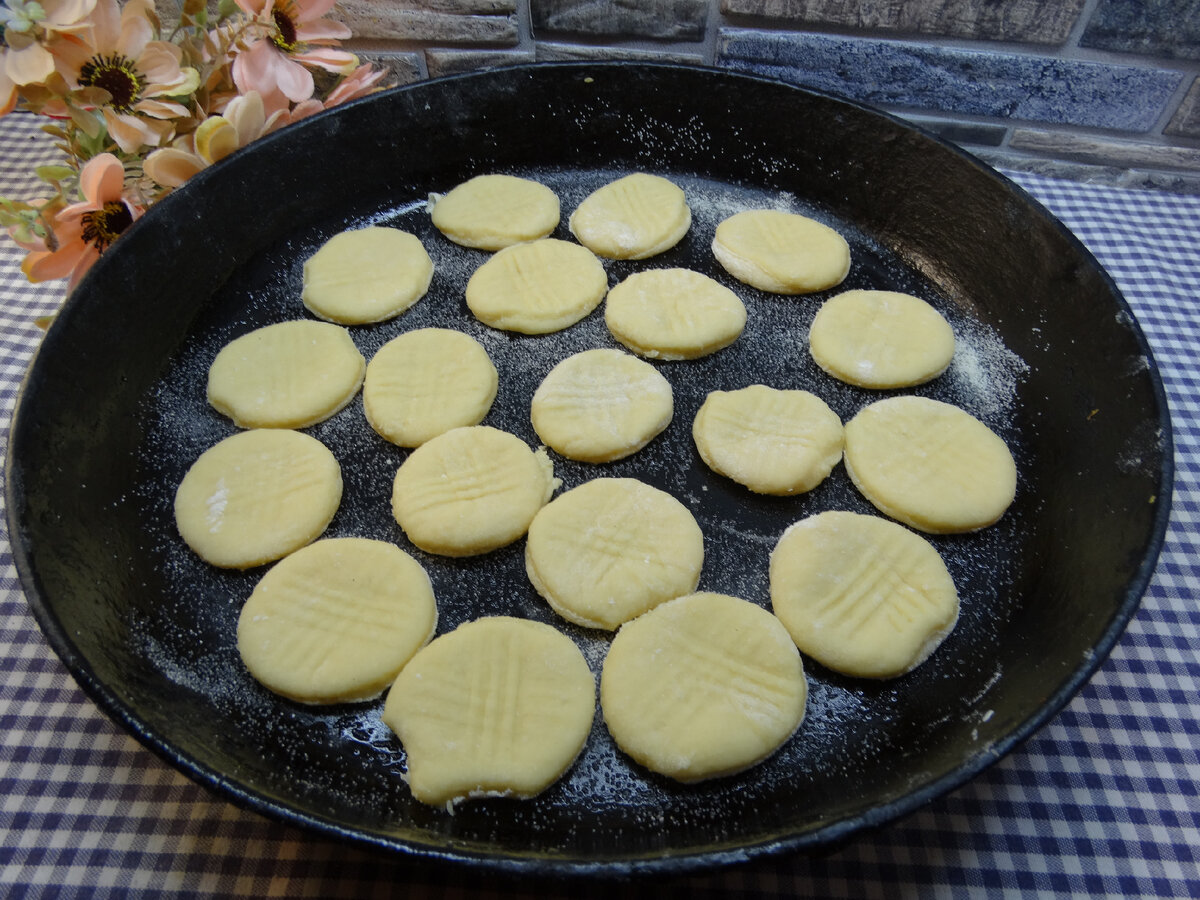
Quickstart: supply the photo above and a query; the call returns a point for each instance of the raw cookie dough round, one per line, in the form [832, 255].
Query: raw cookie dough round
[601, 405]
[673, 314]
[772, 441]
[336, 621]
[702, 686]
[781, 252]
[537, 288]
[929, 464]
[366, 275]
[611, 549]
[491, 212]
[498, 707]
[287, 375]
[634, 217]
[881, 339]
[257, 496]
[470, 490]
[862, 595]
[426, 382]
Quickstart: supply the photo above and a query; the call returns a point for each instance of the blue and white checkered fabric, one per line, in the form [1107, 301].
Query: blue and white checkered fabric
[1103, 801]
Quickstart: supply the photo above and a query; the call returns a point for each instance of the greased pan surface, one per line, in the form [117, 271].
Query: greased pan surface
[113, 412]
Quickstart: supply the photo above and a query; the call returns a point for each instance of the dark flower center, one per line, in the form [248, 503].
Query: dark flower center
[116, 75]
[103, 226]
[285, 31]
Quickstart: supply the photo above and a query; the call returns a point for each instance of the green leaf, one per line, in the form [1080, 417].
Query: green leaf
[54, 174]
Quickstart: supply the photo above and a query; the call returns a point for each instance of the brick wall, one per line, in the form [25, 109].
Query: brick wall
[1100, 89]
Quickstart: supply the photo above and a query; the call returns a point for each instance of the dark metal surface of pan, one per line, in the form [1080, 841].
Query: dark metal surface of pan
[113, 412]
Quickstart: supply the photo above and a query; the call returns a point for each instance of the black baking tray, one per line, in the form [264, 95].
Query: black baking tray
[112, 413]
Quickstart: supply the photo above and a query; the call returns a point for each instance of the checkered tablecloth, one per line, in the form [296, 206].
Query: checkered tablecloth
[1101, 802]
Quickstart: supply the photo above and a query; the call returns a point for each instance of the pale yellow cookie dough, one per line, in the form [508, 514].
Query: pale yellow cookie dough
[470, 490]
[881, 339]
[491, 212]
[772, 441]
[335, 621]
[612, 548]
[634, 217]
[257, 496]
[498, 707]
[601, 405]
[366, 275]
[287, 375]
[426, 382]
[673, 314]
[702, 686]
[860, 594]
[537, 288]
[930, 464]
[781, 252]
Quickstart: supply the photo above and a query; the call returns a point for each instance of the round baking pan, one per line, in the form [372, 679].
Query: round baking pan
[113, 412]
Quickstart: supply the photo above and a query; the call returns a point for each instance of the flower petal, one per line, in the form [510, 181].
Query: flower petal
[247, 114]
[323, 31]
[8, 93]
[29, 65]
[253, 69]
[106, 22]
[132, 133]
[86, 260]
[48, 265]
[295, 81]
[215, 139]
[331, 60]
[253, 7]
[102, 179]
[160, 109]
[159, 61]
[66, 12]
[171, 167]
[136, 28]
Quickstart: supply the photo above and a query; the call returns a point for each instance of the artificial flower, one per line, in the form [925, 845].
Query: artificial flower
[120, 56]
[8, 88]
[296, 36]
[136, 115]
[243, 120]
[30, 30]
[84, 230]
[360, 82]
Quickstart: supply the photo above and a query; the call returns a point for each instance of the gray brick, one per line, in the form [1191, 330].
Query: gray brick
[1186, 121]
[441, 21]
[452, 62]
[977, 134]
[552, 52]
[1176, 182]
[1025, 21]
[680, 20]
[1154, 27]
[962, 81]
[403, 68]
[1101, 151]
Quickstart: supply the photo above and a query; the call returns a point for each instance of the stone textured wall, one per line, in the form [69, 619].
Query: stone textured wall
[1100, 89]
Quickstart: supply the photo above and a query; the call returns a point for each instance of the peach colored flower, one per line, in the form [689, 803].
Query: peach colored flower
[31, 30]
[296, 37]
[138, 72]
[8, 88]
[244, 119]
[358, 83]
[84, 230]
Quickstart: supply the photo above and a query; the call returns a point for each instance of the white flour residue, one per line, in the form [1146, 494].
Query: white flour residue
[984, 373]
